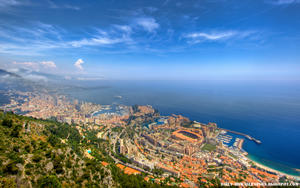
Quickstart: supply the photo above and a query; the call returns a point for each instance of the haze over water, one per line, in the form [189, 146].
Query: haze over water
[266, 110]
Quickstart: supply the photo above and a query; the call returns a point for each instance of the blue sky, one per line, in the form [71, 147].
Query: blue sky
[157, 39]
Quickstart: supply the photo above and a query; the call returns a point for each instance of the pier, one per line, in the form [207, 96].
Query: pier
[245, 135]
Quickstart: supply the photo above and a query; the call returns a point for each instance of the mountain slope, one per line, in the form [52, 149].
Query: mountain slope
[34, 153]
[41, 153]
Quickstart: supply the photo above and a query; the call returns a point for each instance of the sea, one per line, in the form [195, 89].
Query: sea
[267, 110]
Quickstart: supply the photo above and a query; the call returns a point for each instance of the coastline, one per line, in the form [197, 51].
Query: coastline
[265, 167]
[269, 168]
[261, 165]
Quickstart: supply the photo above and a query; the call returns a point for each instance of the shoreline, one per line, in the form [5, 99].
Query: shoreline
[260, 164]
[265, 167]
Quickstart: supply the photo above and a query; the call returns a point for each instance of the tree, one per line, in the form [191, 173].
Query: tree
[53, 140]
[7, 183]
[50, 181]
[57, 164]
[36, 158]
[7, 122]
[157, 171]
[16, 131]
[10, 168]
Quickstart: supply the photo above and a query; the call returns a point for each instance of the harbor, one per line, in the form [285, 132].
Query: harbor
[243, 134]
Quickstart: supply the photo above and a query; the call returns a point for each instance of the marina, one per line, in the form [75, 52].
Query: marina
[226, 139]
[242, 134]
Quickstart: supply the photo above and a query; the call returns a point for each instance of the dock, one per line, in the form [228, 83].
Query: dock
[243, 134]
[238, 143]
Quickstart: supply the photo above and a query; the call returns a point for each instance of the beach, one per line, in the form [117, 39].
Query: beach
[273, 170]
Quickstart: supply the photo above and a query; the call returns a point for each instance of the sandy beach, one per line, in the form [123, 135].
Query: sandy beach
[273, 170]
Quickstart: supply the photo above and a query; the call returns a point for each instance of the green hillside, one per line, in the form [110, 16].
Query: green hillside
[41, 153]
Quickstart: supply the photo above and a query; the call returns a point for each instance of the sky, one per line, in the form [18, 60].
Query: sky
[152, 40]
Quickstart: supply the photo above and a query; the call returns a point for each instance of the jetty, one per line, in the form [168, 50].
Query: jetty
[243, 134]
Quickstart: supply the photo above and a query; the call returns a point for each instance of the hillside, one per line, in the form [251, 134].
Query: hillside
[40, 153]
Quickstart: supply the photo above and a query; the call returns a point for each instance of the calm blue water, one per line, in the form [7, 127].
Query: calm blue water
[267, 110]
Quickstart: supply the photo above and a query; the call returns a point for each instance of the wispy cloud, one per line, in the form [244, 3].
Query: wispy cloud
[211, 36]
[8, 3]
[149, 24]
[198, 37]
[41, 37]
[90, 78]
[49, 4]
[97, 41]
[78, 63]
[37, 38]
[117, 34]
[125, 28]
[62, 6]
[283, 2]
[31, 65]
[36, 32]
[31, 40]
[71, 7]
[49, 64]
[36, 66]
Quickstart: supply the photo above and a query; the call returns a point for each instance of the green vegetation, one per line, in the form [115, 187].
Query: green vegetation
[117, 129]
[157, 171]
[7, 182]
[46, 153]
[49, 182]
[121, 157]
[209, 147]
[209, 182]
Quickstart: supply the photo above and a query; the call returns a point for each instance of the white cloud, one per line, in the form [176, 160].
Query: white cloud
[36, 65]
[31, 65]
[198, 37]
[118, 34]
[211, 36]
[40, 37]
[149, 24]
[78, 63]
[95, 41]
[49, 64]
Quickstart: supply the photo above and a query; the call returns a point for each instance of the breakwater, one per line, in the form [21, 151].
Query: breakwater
[243, 134]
